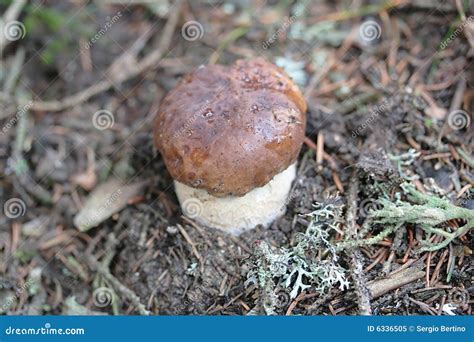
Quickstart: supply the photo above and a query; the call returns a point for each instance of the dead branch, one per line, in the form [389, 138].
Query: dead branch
[361, 289]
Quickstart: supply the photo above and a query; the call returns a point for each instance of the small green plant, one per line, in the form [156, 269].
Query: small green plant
[429, 212]
[300, 267]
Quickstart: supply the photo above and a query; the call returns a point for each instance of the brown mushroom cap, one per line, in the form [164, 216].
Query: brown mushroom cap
[231, 129]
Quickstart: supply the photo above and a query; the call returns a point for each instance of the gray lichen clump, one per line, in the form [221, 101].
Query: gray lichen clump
[283, 273]
[278, 270]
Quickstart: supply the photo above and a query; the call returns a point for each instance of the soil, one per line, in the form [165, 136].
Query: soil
[367, 102]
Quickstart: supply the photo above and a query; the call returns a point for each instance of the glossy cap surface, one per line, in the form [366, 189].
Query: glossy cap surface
[230, 129]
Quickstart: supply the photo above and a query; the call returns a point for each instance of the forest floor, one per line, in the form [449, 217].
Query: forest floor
[380, 217]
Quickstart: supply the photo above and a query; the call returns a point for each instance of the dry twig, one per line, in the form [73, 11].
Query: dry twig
[357, 272]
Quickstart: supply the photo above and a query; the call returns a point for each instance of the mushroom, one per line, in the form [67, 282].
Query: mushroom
[230, 137]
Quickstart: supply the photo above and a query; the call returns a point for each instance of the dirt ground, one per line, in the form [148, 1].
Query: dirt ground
[389, 87]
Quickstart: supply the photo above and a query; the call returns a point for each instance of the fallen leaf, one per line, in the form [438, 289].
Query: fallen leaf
[107, 199]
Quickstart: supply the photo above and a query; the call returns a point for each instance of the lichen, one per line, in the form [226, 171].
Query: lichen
[300, 267]
[428, 212]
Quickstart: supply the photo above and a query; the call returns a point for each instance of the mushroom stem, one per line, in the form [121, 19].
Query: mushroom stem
[233, 214]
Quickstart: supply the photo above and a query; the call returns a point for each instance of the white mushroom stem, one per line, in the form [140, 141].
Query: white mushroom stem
[260, 206]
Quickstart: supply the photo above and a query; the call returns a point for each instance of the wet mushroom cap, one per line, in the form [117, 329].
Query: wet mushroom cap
[230, 129]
